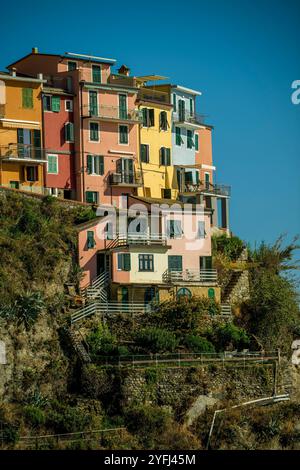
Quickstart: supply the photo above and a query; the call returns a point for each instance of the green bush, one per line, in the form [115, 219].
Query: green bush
[229, 335]
[25, 309]
[148, 422]
[198, 344]
[156, 340]
[34, 416]
[102, 343]
[64, 418]
[231, 247]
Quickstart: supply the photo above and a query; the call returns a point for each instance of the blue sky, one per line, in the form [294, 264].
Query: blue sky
[242, 54]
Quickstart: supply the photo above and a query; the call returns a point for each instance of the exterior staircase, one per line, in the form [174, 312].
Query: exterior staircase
[234, 279]
[76, 341]
[98, 289]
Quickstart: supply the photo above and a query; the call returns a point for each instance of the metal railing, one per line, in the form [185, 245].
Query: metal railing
[113, 113]
[182, 359]
[148, 94]
[98, 307]
[205, 187]
[191, 275]
[123, 80]
[125, 178]
[22, 152]
[142, 239]
[187, 116]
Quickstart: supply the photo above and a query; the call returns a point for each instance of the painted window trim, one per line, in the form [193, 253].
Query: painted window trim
[69, 110]
[96, 65]
[148, 145]
[72, 62]
[70, 141]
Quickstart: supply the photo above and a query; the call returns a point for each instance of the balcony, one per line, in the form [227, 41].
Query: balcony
[156, 96]
[137, 239]
[122, 80]
[125, 179]
[23, 152]
[189, 120]
[206, 188]
[112, 113]
[2, 110]
[205, 276]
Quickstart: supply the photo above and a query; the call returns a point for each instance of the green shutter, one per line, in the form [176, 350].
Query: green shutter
[93, 102]
[123, 134]
[123, 106]
[168, 157]
[52, 164]
[90, 164]
[27, 98]
[151, 117]
[175, 263]
[90, 197]
[196, 142]
[178, 135]
[174, 102]
[55, 104]
[145, 114]
[101, 165]
[96, 73]
[126, 260]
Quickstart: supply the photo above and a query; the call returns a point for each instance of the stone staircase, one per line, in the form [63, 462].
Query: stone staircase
[76, 341]
[234, 279]
[285, 382]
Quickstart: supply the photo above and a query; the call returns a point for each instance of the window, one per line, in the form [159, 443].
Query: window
[90, 239]
[109, 235]
[72, 66]
[147, 191]
[47, 103]
[148, 117]
[123, 114]
[184, 292]
[69, 132]
[91, 197]
[174, 229]
[95, 164]
[178, 138]
[124, 261]
[188, 177]
[196, 142]
[69, 105]
[163, 121]
[32, 173]
[175, 263]
[191, 105]
[93, 103]
[94, 132]
[145, 153]
[96, 74]
[181, 110]
[166, 194]
[201, 229]
[190, 143]
[27, 98]
[165, 156]
[146, 263]
[205, 262]
[52, 164]
[207, 180]
[14, 184]
[174, 102]
[123, 134]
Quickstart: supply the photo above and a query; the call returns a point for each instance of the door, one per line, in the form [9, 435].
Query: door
[151, 294]
[24, 142]
[124, 295]
[124, 167]
[205, 262]
[93, 102]
[101, 265]
[207, 181]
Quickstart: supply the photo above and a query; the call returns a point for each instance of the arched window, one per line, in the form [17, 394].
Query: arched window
[184, 292]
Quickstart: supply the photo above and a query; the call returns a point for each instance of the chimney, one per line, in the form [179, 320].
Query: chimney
[35, 50]
[40, 76]
[124, 70]
[13, 72]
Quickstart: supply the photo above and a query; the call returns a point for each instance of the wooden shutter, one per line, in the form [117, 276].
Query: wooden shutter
[127, 264]
[101, 165]
[27, 98]
[20, 136]
[196, 142]
[151, 117]
[55, 104]
[162, 156]
[93, 103]
[145, 114]
[168, 157]
[174, 103]
[123, 106]
[175, 263]
[90, 164]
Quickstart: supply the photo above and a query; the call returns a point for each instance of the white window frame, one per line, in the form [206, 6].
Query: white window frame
[66, 109]
[74, 62]
[119, 134]
[70, 141]
[89, 130]
[56, 157]
[46, 95]
[93, 164]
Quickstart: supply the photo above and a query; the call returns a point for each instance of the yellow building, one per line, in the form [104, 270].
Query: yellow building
[22, 157]
[155, 156]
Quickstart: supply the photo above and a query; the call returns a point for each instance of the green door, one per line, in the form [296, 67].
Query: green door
[122, 106]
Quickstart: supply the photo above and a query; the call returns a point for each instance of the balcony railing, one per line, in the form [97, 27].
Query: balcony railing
[2, 110]
[205, 276]
[112, 113]
[125, 179]
[23, 152]
[136, 239]
[205, 187]
[123, 80]
[148, 94]
[188, 117]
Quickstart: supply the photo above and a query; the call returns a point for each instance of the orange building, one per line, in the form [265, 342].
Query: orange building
[21, 149]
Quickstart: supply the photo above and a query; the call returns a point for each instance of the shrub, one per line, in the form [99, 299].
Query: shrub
[147, 422]
[156, 340]
[34, 416]
[228, 335]
[102, 343]
[25, 309]
[198, 344]
[64, 418]
[231, 247]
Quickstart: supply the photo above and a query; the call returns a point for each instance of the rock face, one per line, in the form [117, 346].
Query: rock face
[34, 360]
[199, 407]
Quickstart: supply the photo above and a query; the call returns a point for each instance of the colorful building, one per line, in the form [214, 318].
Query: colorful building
[22, 155]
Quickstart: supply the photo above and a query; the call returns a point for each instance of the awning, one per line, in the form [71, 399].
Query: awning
[16, 124]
